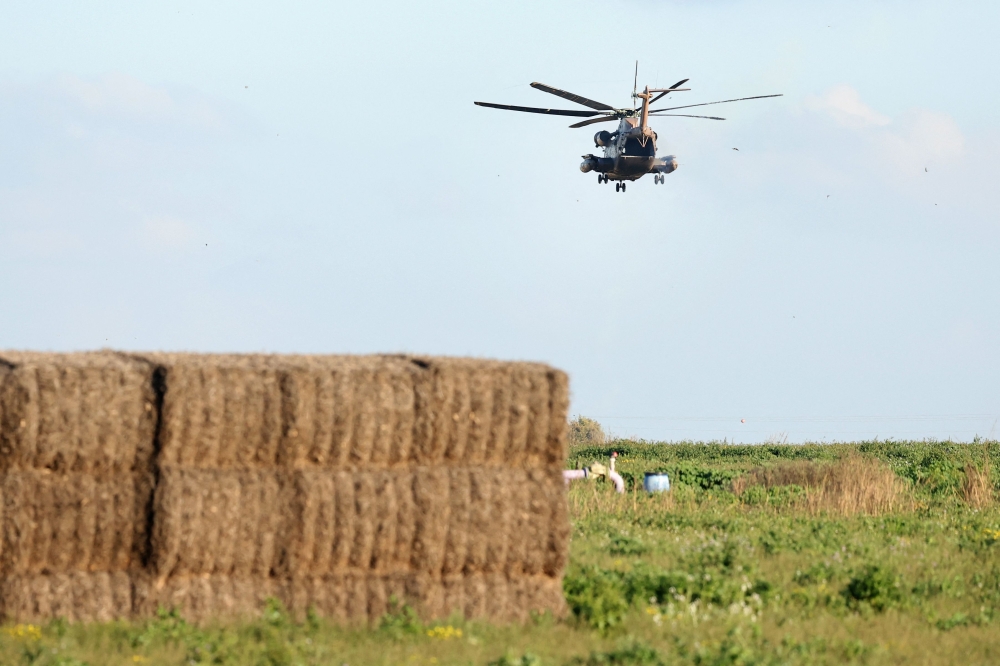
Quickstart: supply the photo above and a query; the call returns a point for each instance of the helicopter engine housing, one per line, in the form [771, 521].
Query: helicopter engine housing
[598, 164]
[602, 138]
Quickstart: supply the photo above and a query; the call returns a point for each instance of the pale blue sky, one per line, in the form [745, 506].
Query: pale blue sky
[313, 177]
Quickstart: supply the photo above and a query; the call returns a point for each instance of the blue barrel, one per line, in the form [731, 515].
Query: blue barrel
[656, 482]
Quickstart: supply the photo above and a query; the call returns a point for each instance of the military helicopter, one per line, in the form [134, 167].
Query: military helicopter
[630, 151]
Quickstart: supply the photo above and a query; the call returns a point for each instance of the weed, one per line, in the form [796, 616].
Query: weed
[875, 586]
[623, 544]
[633, 654]
[401, 619]
[597, 597]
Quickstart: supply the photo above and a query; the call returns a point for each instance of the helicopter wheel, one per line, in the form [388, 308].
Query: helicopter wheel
[618, 187]
[623, 186]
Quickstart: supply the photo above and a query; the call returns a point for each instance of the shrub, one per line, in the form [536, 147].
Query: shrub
[875, 586]
[623, 544]
[585, 432]
[596, 596]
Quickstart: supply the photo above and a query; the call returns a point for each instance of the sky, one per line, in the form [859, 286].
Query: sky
[313, 177]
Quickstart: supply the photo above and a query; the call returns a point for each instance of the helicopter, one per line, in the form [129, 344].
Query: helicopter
[629, 151]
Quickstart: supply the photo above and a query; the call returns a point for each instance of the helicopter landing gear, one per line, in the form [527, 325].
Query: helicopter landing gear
[618, 187]
[657, 179]
[602, 178]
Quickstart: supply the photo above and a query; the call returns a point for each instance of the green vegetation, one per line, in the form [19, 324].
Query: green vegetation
[759, 555]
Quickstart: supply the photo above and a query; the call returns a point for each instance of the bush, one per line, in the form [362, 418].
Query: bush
[585, 432]
[623, 544]
[596, 596]
[875, 586]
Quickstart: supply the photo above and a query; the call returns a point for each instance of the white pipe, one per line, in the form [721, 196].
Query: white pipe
[573, 474]
[618, 481]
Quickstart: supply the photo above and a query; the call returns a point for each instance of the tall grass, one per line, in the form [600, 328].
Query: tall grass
[850, 486]
[977, 488]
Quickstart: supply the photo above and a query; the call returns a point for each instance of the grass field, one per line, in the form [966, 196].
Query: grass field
[870, 553]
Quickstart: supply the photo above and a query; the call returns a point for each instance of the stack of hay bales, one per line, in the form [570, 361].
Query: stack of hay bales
[76, 444]
[337, 483]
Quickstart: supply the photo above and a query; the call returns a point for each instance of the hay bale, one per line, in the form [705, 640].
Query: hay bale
[69, 522]
[217, 521]
[430, 498]
[90, 412]
[459, 501]
[77, 597]
[208, 483]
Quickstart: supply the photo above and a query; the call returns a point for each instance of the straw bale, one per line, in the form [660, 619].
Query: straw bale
[406, 521]
[459, 500]
[78, 596]
[353, 598]
[341, 406]
[538, 522]
[480, 413]
[333, 411]
[520, 398]
[519, 496]
[69, 522]
[385, 521]
[480, 519]
[558, 531]
[501, 501]
[432, 389]
[364, 524]
[88, 412]
[404, 413]
[335, 482]
[217, 521]
[459, 410]
[200, 598]
[343, 539]
[430, 495]
[310, 539]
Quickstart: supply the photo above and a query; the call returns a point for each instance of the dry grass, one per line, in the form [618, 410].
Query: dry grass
[977, 488]
[852, 485]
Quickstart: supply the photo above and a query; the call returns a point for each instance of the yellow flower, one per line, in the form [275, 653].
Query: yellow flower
[445, 633]
[24, 632]
[138, 659]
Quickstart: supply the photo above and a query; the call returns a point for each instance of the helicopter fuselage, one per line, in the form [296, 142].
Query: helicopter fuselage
[629, 153]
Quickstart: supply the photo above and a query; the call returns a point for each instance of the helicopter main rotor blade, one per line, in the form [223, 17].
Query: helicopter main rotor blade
[668, 91]
[688, 106]
[571, 97]
[594, 120]
[682, 115]
[532, 109]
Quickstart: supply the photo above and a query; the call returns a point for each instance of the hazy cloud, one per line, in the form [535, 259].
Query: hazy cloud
[118, 95]
[843, 104]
